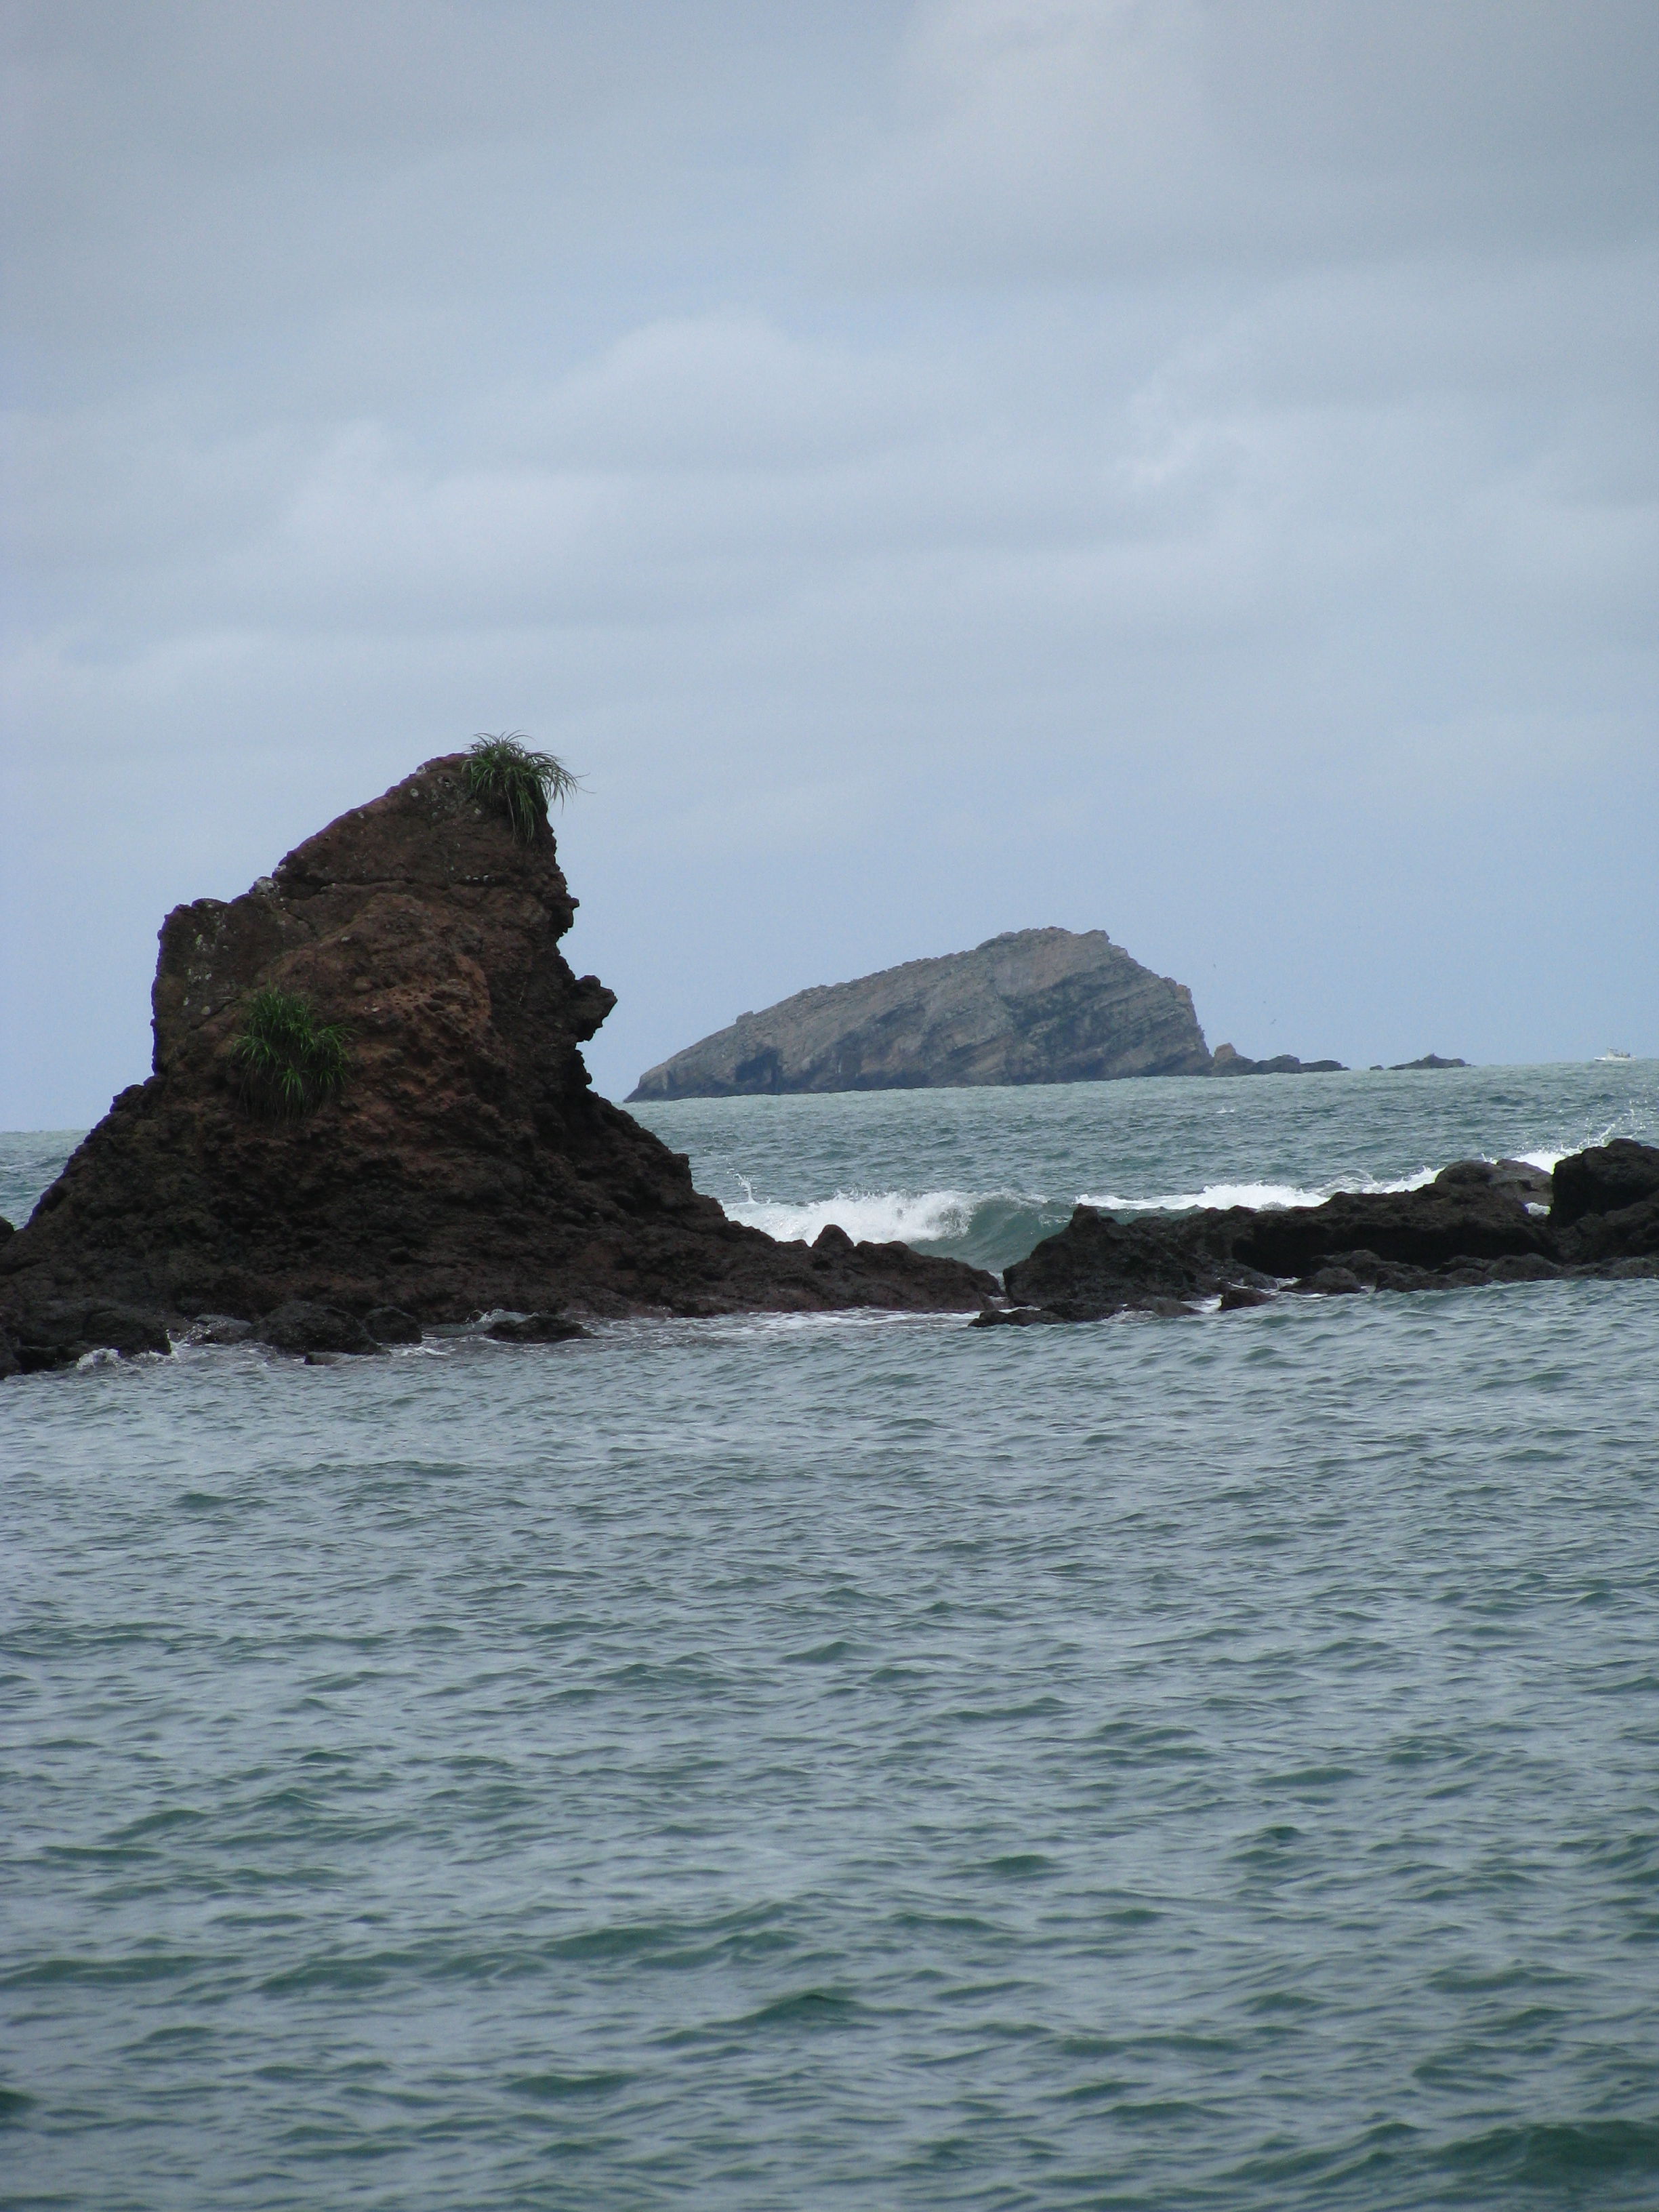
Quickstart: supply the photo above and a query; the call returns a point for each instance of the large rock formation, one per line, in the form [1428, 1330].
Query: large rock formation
[1478, 1221]
[466, 1164]
[1035, 1006]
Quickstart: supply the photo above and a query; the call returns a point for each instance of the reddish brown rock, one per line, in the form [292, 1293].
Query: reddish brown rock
[466, 1164]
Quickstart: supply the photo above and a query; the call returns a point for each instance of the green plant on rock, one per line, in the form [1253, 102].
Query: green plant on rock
[503, 772]
[289, 1061]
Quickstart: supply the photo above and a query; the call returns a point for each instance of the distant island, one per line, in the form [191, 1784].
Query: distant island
[1033, 1005]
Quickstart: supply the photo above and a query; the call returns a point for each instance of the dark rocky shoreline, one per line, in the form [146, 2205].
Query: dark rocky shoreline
[1478, 1222]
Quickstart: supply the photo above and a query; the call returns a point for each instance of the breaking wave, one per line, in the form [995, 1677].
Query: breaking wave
[928, 1217]
[988, 1229]
[1253, 1193]
[992, 1229]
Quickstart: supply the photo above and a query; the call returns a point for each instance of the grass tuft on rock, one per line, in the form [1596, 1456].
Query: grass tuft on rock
[502, 771]
[289, 1061]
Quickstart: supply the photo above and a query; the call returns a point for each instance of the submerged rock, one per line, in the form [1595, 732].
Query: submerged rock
[1015, 1318]
[461, 1163]
[220, 1328]
[1332, 1282]
[1034, 1005]
[536, 1329]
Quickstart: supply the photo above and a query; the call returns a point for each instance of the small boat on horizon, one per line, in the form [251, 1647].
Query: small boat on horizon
[1613, 1052]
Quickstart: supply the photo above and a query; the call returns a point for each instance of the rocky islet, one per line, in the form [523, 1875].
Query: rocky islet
[1032, 1005]
[463, 1167]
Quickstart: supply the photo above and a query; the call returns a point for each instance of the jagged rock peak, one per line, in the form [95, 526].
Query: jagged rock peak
[463, 1161]
[1030, 1005]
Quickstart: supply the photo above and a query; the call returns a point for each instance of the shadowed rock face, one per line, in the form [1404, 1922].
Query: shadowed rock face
[1037, 1006]
[1606, 1180]
[467, 1164]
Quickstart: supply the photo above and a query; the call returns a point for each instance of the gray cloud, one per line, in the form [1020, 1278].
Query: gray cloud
[1166, 466]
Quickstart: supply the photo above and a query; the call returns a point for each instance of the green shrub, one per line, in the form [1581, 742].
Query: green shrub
[503, 772]
[289, 1061]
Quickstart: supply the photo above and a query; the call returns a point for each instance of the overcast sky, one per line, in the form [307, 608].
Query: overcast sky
[1181, 467]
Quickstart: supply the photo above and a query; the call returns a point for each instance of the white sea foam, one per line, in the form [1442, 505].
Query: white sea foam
[947, 1217]
[944, 1216]
[1252, 1193]
[928, 1217]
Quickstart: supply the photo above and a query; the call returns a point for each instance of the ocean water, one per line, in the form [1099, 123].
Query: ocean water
[985, 1175]
[862, 1761]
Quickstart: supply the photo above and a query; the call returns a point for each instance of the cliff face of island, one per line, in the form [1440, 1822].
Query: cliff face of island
[464, 1161]
[1035, 1006]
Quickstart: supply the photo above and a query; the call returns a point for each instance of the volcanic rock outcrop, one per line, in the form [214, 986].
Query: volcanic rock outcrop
[1478, 1221]
[464, 1165]
[1034, 1005]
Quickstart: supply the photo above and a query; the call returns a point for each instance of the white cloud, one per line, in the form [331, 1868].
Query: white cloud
[1100, 137]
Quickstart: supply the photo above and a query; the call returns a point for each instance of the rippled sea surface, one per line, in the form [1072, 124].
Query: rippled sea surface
[859, 1761]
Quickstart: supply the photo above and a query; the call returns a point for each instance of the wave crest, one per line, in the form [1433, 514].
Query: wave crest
[1255, 1194]
[993, 1229]
[932, 1216]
